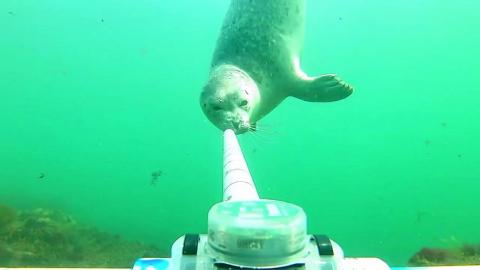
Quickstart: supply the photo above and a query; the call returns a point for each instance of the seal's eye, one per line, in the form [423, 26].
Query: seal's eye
[217, 108]
[243, 103]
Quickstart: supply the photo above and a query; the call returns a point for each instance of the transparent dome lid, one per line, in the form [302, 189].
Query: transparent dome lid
[257, 232]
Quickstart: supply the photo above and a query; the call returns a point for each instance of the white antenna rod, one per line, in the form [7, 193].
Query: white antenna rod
[237, 182]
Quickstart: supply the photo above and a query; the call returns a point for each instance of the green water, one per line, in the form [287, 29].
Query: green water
[97, 95]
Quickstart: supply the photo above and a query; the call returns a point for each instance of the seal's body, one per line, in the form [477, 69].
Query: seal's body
[256, 64]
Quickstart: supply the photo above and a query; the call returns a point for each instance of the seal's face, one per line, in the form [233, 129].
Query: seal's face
[227, 107]
[228, 100]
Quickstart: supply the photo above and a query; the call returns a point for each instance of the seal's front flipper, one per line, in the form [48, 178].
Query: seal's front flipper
[324, 88]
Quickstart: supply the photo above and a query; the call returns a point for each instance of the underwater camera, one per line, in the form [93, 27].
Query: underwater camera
[246, 232]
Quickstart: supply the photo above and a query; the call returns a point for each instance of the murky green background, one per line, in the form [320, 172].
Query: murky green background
[97, 95]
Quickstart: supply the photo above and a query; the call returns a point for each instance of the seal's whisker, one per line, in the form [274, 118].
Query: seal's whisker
[264, 137]
[258, 139]
[270, 130]
[253, 138]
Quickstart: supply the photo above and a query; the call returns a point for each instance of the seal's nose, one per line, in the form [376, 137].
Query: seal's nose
[239, 127]
[235, 125]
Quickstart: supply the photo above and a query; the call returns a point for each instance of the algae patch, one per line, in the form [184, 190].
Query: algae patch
[466, 254]
[51, 238]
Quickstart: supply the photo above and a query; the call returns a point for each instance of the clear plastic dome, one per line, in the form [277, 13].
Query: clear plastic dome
[257, 233]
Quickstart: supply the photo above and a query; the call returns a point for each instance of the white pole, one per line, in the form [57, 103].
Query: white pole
[237, 182]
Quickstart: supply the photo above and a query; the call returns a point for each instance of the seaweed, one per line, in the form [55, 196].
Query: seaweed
[7, 216]
[466, 254]
[51, 238]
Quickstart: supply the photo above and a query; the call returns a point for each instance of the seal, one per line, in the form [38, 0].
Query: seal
[256, 65]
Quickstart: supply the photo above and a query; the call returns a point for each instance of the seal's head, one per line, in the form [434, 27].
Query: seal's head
[229, 98]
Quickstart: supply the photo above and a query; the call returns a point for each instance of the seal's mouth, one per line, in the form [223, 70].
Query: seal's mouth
[240, 127]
